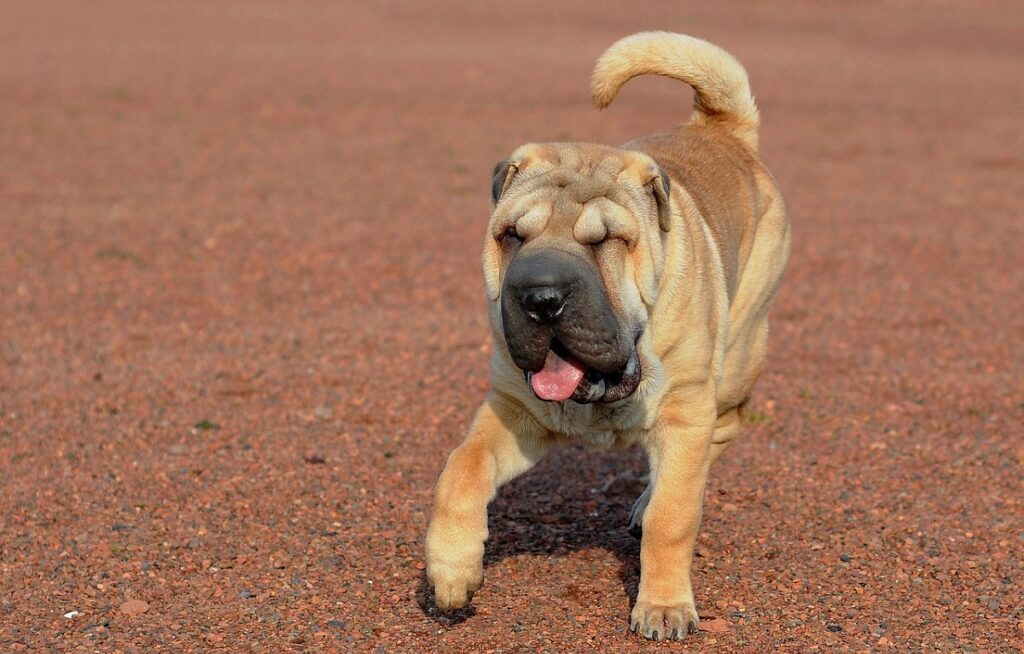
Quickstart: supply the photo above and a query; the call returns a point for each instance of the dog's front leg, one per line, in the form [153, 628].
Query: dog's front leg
[503, 442]
[679, 451]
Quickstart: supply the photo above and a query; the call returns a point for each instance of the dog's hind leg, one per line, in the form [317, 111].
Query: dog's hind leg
[727, 428]
[636, 516]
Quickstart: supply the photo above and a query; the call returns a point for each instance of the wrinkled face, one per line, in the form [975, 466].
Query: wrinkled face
[572, 259]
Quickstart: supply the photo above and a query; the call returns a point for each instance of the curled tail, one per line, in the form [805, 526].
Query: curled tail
[723, 91]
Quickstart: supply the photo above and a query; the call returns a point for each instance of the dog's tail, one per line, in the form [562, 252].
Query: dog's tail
[723, 91]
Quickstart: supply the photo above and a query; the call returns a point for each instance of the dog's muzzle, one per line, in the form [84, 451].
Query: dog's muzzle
[562, 331]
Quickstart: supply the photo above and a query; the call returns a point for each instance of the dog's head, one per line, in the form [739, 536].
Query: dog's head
[572, 261]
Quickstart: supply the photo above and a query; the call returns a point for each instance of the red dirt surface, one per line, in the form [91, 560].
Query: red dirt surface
[242, 324]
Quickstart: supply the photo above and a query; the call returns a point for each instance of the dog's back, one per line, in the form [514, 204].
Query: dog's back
[721, 176]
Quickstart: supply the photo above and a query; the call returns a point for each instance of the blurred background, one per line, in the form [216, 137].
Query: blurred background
[242, 323]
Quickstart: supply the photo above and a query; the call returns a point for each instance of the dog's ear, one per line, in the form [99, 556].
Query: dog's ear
[503, 174]
[661, 187]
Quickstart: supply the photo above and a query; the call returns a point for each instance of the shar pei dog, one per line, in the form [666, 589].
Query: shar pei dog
[628, 290]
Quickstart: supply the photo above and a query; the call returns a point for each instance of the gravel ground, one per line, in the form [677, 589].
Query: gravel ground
[242, 324]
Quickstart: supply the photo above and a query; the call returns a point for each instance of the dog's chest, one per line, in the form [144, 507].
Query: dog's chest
[594, 425]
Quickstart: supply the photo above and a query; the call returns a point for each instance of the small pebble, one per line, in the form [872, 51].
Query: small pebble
[134, 607]
[715, 626]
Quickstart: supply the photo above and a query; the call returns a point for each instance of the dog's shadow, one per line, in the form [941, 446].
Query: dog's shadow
[573, 500]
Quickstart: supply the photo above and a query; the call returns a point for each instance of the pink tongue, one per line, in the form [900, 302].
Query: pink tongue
[558, 380]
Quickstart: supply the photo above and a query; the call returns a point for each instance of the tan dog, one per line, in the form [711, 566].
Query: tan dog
[629, 291]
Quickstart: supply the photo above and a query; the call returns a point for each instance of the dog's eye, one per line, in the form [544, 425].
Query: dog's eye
[510, 237]
[609, 241]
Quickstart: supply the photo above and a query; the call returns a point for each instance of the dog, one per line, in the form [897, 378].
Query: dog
[628, 292]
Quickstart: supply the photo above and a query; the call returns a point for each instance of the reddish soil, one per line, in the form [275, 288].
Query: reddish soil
[242, 324]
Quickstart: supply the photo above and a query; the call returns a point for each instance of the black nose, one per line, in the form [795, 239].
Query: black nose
[540, 282]
[544, 304]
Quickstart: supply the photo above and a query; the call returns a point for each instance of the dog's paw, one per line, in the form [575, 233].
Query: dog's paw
[454, 585]
[664, 622]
